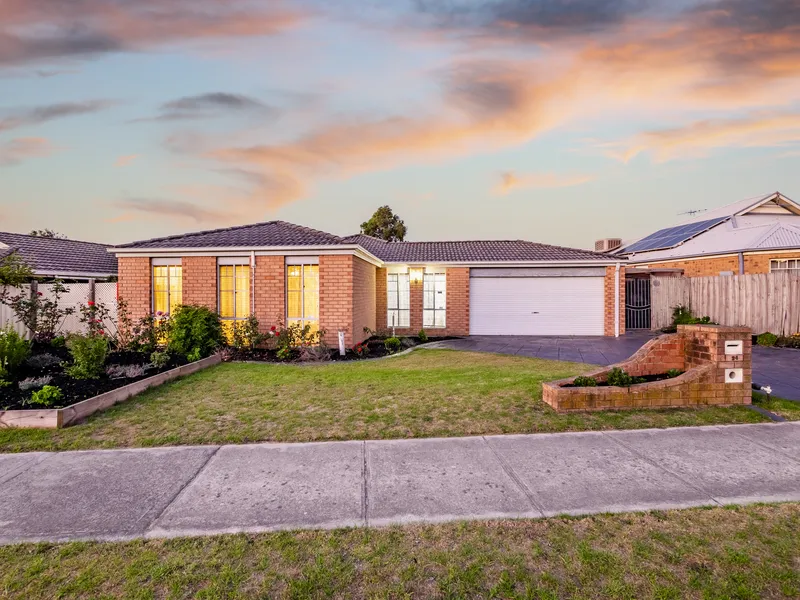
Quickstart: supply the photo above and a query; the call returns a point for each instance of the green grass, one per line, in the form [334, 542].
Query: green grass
[717, 553]
[427, 393]
[786, 408]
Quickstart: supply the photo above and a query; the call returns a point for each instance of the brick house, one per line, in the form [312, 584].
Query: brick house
[280, 271]
[757, 235]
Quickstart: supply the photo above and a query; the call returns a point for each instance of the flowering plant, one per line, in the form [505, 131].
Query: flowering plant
[361, 350]
[39, 313]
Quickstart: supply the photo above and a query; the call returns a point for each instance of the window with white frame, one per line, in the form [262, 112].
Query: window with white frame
[234, 289]
[167, 285]
[434, 300]
[398, 300]
[790, 265]
[302, 294]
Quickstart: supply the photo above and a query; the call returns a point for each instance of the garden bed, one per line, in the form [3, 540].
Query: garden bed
[374, 347]
[638, 380]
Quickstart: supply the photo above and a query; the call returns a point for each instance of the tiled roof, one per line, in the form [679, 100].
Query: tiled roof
[55, 256]
[471, 251]
[257, 235]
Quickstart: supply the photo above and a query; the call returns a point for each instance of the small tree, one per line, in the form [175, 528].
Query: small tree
[14, 271]
[386, 225]
[47, 233]
[41, 315]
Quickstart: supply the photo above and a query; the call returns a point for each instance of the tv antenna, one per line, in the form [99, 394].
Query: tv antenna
[693, 212]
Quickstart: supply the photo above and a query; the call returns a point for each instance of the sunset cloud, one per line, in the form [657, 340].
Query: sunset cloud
[124, 161]
[19, 150]
[511, 181]
[211, 105]
[177, 209]
[49, 112]
[52, 29]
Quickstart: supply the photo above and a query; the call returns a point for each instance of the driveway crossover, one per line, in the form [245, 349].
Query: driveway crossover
[182, 491]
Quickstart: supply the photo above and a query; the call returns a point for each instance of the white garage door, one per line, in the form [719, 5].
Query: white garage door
[536, 306]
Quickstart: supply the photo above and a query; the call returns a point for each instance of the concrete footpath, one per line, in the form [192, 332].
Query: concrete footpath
[179, 491]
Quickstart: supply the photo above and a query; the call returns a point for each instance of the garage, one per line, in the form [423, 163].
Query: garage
[536, 301]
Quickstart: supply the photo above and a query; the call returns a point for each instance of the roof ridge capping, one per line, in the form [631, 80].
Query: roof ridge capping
[57, 239]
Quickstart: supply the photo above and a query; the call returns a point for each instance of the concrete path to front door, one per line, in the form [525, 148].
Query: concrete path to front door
[776, 367]
[187, 491]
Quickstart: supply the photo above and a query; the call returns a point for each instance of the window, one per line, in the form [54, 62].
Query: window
[167, 287]
[234, 291]
[791, 265]
[434, 300]
[302, 295]
[398, 293]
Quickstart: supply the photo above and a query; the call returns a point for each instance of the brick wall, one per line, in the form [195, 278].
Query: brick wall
[336, 297]
[364, 298]
[270, 291]
[699, 349]
[759, 263]
[713, 266]
[609, 300]
[135, 285]
[456, 317]
[200, 281]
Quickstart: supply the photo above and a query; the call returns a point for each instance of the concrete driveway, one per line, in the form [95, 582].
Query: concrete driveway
[185, 491]
[776, 367]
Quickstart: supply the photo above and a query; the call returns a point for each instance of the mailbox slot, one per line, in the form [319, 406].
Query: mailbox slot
[734, 347]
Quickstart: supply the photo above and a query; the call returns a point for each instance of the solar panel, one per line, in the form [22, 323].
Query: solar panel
[672, 236]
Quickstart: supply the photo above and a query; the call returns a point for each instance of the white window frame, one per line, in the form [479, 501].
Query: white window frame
[393, 300]
[430, 313]
[163, 262]
[785, 265]
[236, 263]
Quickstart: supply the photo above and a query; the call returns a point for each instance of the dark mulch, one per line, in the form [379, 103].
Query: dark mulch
[76, 390]
[645, 378]
[376, 345]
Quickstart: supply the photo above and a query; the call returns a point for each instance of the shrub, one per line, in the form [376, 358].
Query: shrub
[673, 373]
[31, 383]
[422, 336]
[618, 377]
[89, 354]
[43, 362]
[791, 341]
[124, 371]
[159, 359]
[582, 381]
[58, 342]
[767, 339]
[47, 396]
[95, 316]
[13, 351]
[41, 315]
[392, 344]
[317, 353]
[195, 332]
[283, 353]
[246, 334]
[682, 315]
[361, 350]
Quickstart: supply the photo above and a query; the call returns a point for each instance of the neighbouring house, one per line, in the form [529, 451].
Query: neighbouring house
[280, 271]
[57, 258]
[757, 235]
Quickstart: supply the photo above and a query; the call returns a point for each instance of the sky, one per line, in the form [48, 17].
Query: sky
[558, 121]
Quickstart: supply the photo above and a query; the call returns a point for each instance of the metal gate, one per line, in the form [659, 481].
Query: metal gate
[637, 303]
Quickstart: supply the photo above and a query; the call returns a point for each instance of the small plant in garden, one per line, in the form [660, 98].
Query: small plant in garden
[422, 336]
[13, 351]
[124, 371]
[361, 350]
[246, 334]
[32, 383]
[159, 359]
[89, 354]
[47, 396]
[43, 362]
[789, 341]
[682, 315]
[42, 315]
[283, 353]
[618, 377]
[318, 353]
[767, 339]
[392, 345]
[58, 342]
[196, 331]
[673, 373]
[96, 316]
[582, 381]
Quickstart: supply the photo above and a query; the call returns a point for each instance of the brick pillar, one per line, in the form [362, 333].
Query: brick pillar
[457, 319]
[134, 285]
[200, 281]
[270, 291]
[415, 307]
[609, 300]
[705, 344]
[381, 305]
[336, 297]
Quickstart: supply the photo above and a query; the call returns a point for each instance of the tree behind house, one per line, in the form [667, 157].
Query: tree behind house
[386, 225]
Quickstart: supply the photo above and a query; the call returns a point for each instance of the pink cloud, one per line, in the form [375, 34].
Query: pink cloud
[19, 150]
[124, 161]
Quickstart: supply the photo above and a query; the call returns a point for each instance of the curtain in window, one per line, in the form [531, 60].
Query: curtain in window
[434, 296]
[398, 293]
[167, 288]
[302, 295]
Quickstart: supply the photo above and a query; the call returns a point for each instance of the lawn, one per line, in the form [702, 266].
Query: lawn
[426, 393]
[732, 552]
